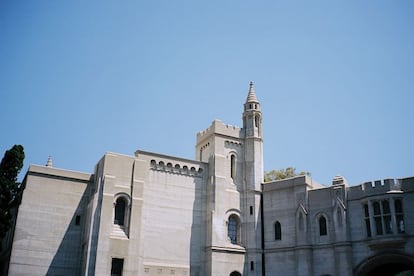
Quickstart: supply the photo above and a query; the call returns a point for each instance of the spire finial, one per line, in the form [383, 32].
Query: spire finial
[49, 162]
[251, 97]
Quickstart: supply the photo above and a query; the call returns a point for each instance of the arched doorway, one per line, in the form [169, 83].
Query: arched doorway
[385, 265]
[235, 273]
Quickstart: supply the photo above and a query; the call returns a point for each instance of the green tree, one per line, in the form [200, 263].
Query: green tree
[10, 189]
[282, 174]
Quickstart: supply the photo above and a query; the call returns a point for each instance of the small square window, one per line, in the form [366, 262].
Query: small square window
[77, 220]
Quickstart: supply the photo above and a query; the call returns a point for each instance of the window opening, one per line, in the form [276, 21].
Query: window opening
[322, 226]
[399, 216]
[251, 210]
[120, 211]
[117, 267]
[77, 220]
[377, 218]
[251, 266]
[233, 166]
[232, 229]
[387, 216]
[278, 231]
[367, 223]
[256, 121]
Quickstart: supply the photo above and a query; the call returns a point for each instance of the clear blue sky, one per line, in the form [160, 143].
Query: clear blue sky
[335, 79]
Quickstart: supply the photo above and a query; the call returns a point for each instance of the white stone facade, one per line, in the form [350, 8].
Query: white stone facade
[152, 214]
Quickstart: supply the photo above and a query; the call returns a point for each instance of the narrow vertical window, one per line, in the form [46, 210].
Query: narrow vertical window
[322, 226]
[366, 219]
[120, 206]
[256, 121]
[233, 166]
[251, 266]
[399, 215]
[77, 220]
[117, 267]
[251, 210]
[278, 231]
[377, 218]
[387, 216]
[233, 229]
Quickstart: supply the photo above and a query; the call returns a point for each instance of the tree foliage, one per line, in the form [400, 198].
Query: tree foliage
[10, 189]
[282, 174]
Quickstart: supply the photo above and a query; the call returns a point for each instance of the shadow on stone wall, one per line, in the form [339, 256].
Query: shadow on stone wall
[198, 230]
[68, 257]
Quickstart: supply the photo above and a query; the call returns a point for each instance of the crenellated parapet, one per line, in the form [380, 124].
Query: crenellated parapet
[376, 187]
[218, 127]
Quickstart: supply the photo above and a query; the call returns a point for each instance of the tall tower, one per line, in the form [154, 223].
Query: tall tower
[252, 180]
[253, 142]
[233, 192]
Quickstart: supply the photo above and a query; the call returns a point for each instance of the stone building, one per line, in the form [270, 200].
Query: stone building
[153, 214]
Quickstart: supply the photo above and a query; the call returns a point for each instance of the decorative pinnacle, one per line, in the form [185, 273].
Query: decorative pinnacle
[251, 97]
[49, 162]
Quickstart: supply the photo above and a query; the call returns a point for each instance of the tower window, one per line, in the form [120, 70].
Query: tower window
[233, 166]
[251, 266]
[322, 226]
[251, 210]
[233, 231]
[278, 231]
[120, 206]
[256, 121]
[117, 267]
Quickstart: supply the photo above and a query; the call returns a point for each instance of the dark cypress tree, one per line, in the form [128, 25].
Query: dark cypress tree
[10, 189]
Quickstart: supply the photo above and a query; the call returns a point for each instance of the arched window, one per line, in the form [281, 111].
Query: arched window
[233, 166]
[301, 223]
[235, 273]
[322, 226]
[278, 231]
[120, 206]
[233, 231]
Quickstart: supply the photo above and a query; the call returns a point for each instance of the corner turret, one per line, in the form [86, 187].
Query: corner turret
[251, 102]
[252, 116]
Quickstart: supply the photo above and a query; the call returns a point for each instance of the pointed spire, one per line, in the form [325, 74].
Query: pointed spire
[49, 162]
[251, 97]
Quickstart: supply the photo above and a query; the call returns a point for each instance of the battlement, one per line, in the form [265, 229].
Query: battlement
[382, 186]
[218, 127]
